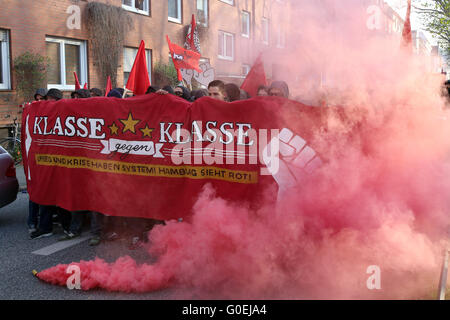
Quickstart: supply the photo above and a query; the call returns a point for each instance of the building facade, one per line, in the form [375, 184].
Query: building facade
[232, 34]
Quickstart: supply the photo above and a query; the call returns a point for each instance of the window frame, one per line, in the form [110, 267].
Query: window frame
[6, 61]
[180, 8]
[224, 57]
[247, 35]
[281, 38]
[206, 4]
[83, 76]
[145, 12]
[247, 67]
[265, 30]
[149, 59]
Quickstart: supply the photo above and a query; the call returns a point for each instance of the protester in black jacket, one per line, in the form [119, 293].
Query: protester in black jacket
[183, 92]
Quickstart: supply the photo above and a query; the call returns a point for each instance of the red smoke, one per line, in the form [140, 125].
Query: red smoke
[382, 198]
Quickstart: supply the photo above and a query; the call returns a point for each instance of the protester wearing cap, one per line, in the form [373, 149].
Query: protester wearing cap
[54, 94]
[40, 94]
[114, 93]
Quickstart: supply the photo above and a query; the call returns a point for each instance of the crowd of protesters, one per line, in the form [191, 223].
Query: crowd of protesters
[42, 218]
[219, 90]
[102, 227]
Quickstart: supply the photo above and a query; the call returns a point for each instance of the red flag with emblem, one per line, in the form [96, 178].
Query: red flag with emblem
[183, 58]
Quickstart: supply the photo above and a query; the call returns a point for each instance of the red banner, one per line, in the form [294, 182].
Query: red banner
[151, 155]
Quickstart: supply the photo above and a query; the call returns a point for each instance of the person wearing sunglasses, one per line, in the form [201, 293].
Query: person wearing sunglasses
[182, 92]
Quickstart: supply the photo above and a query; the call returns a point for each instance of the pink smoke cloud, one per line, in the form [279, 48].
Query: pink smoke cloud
[381, 198]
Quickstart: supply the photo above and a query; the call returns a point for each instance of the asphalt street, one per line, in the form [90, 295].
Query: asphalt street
[19, 255]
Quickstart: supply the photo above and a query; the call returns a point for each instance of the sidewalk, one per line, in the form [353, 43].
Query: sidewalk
[20, 174]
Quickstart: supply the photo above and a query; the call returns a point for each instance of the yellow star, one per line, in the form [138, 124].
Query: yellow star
[129, 123]
[147, 131]
[114, 129]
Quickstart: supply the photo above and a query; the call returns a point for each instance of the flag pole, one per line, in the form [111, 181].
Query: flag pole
[187, 85]
[443, 277]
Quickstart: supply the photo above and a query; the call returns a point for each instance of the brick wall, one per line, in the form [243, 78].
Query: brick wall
[29, 22]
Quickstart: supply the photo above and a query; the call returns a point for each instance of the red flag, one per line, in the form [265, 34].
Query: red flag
[192, 40]
[406, 34]
[77, 83]
[138, 81]
[85, 86]
[183, 58]
[108, 86]
[255, 78]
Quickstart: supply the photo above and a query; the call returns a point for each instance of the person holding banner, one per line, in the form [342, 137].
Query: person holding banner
[39, 216]
[216, 90]
[197, 94]
[78, 216]
[54, 94]
[263, 91]
[279, 89]
[233, 92]
[151, 89]
[81, 93]
[96, 92]
[183, 92]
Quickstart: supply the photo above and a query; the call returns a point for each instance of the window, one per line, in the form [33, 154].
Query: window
[228, 1]
[175, 10]
[245, 24]
[66, 57]
[281, 39]
[138, 6]
[129, 54]
[4, 60]
[202, 12]
[226, 45]
[265, 30]
[245, 69]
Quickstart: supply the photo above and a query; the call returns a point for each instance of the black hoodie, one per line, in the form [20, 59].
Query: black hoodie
[186, 93]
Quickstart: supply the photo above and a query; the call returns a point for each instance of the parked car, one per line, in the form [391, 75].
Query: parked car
[9, 185]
